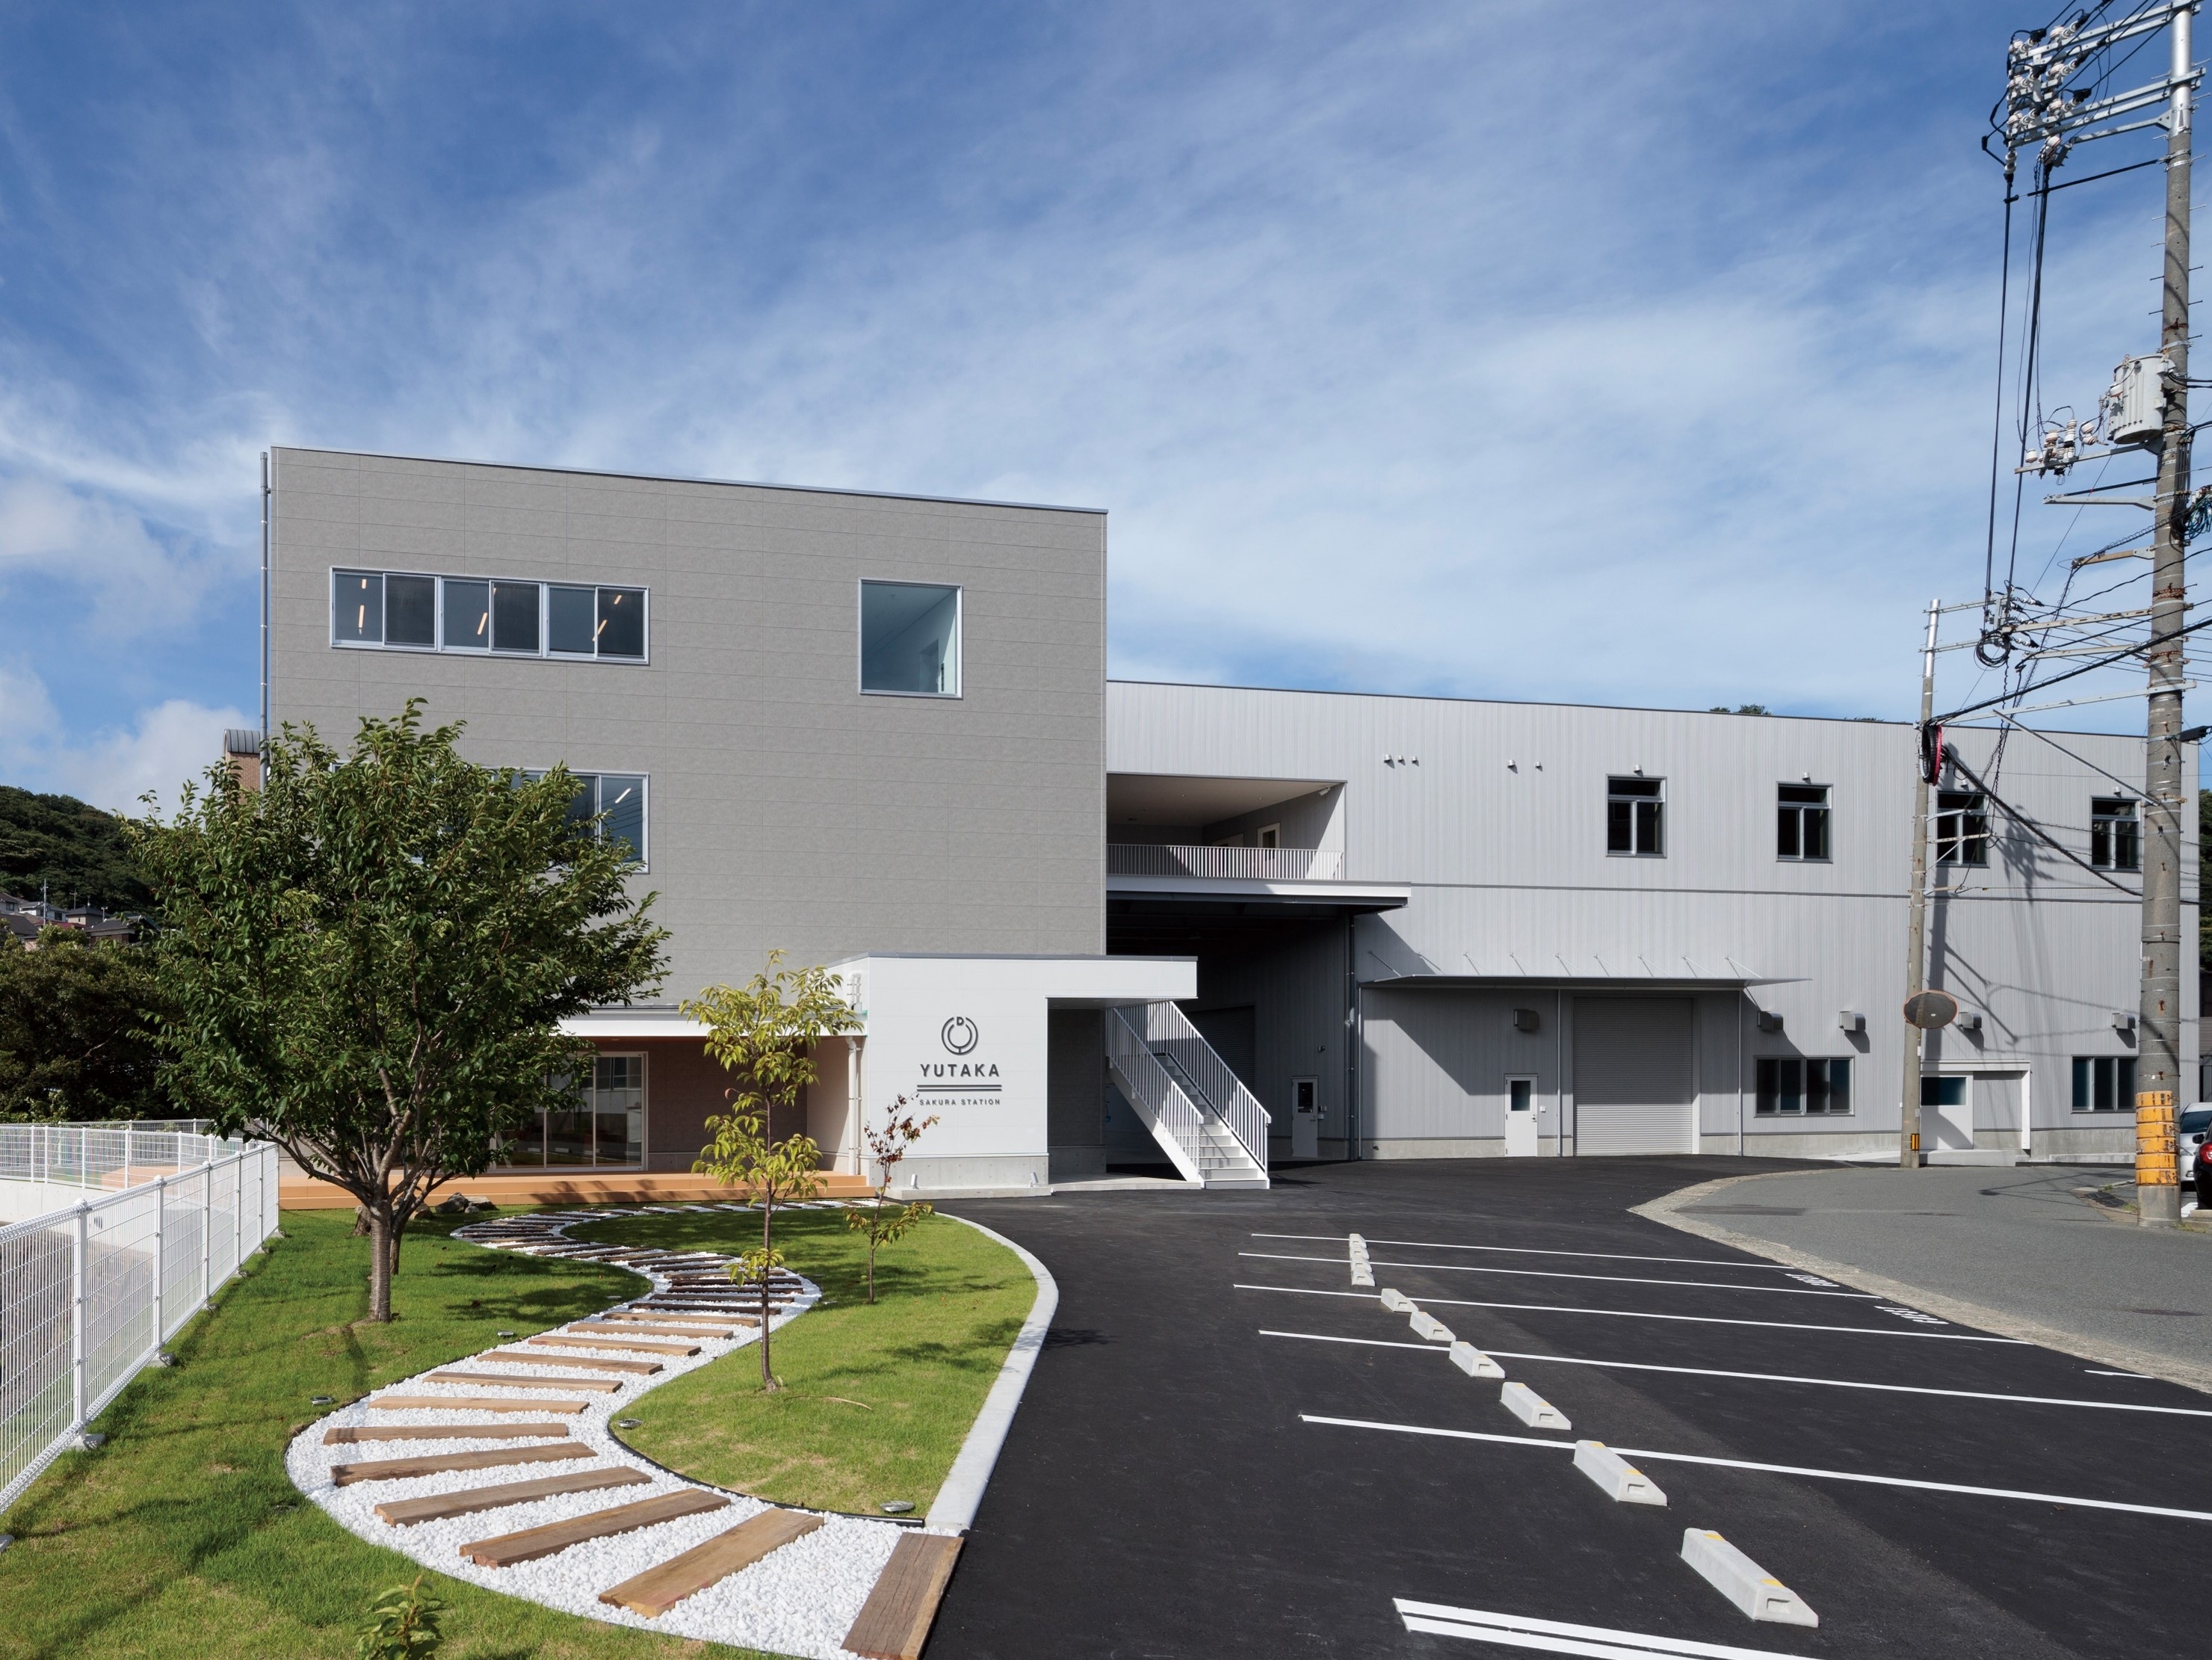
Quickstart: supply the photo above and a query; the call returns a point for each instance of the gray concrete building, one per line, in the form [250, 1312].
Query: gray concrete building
[1100, 926]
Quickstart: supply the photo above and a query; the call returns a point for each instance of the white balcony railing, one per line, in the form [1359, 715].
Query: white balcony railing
[1225, 864]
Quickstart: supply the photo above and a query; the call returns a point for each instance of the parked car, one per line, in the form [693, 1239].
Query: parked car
[2192, 1130]
[2202, 1168]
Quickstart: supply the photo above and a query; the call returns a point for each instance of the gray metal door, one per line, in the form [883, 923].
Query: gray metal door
[1635, 1075]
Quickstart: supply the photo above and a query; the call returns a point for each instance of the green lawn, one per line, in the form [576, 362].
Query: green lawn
[183, 1537]
[878, 1400]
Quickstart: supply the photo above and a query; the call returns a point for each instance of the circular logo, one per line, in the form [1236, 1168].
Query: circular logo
[960, 1034]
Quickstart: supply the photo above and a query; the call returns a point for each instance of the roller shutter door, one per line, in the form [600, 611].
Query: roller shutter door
[1635, 1077]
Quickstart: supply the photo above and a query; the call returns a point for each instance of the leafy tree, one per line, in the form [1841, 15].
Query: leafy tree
[82, 853]
[79, 1030]
[886, 1147]
[764, 1032]
[369, 958]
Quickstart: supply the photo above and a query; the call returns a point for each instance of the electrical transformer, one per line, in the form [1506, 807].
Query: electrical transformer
[2135, 406]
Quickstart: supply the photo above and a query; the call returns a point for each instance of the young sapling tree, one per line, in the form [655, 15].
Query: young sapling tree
[763, 1033]
[885, 1224]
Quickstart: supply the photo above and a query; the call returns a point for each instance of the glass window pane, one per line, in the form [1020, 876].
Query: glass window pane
[1793, 1084]
[1617, 833]
[2125, 1066]
[357, 608]
[1816, 832]
[410, 611]
[569, 619]
[584, 805]
[1816, 1086]
[1647, 827]
[1785, 838]
[514, 616]
[623, 800]
[467, 615]
[1839, 1085]
[1770, 1085]
[568, 1134]
[619, 1108]
[2081, 1101]
[910, 638]
[526, 1146]
[621, 623]
[2104, 1102]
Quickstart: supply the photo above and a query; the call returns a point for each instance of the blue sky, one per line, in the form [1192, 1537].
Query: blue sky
[1598, 352]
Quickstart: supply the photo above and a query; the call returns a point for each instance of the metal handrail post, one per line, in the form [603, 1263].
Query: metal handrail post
[77, 1334]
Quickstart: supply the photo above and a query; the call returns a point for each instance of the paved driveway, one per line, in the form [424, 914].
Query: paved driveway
[1228, 1450]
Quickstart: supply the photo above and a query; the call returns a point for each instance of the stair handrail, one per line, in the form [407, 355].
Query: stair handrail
[1156, 1095]
[1167, 1027]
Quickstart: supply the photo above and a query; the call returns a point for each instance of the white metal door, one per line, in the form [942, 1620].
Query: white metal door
[1635, 1075]
[1520, 1118]
[1305, 1118]
[1946, 1113]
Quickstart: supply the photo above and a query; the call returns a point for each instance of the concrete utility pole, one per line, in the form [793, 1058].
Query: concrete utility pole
[1916, 928]
[2157, 1053]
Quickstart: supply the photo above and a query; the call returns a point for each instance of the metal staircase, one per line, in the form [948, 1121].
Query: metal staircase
[1212, 1130]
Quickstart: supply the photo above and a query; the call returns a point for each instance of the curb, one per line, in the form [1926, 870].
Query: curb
[1667, 1211]
[954, 1507]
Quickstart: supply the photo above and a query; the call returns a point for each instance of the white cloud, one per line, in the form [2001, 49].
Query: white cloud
[136, 582]
[159, 749]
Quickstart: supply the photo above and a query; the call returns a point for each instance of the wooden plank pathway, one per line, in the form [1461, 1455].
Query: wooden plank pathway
[439, 1463]
[660, 1588]
[621, 1345]
[584, 1362]
[406, 1513]
[596, 1385]
[451, 1403]
[894, 1622]
[338, 1437]
[508, 1548]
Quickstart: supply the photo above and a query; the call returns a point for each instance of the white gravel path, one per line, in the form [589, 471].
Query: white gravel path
[799, 1600]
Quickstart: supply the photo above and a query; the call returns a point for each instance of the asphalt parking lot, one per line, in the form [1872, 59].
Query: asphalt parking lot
[1228, 1448]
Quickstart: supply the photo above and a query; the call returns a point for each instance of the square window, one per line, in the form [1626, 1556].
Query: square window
[514, 608]
[410, 611]
[357, 608]
[1635, 817]
[910, 639]
[1962, 828]
[621, 629]
[467, 615]
[1802, 822]
[570, 620]
[2115, 837]
[2104, 1083]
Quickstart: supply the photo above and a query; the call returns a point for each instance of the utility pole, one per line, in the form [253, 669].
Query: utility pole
[2157, 1053]
[1916, 928]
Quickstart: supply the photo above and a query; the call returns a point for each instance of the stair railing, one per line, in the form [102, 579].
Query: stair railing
[1167, 1030]
[1173, 1117]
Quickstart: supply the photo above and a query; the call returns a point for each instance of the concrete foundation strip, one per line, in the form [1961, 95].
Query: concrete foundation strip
[954, 1508]
[1667, 1209]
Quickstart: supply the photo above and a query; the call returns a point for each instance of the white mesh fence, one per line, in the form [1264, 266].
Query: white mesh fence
[90, 1290]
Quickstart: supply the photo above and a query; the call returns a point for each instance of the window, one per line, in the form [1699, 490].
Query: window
[1267, 836]
[1802, 822]
[1962, 828]
[1634, 816]
[604, 1124]
[2115, 841]
[1936, 1091]
[610, 805]
[1791, 1086]
[910, 639]
[407, 611]
[2104, 1083]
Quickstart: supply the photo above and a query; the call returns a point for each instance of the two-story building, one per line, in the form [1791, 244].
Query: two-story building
[1096, 924]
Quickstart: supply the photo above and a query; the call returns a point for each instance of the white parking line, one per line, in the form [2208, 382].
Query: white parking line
[1780, 1469]
[1640, 1314]
[1532, 1250]
[1766, 1376]
[1555, 1273]
[1557, 1636]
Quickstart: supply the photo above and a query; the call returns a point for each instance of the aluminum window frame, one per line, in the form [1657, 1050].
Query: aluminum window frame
[599, 775]
[959, 591]
[2122, 1073]
[1804, 1094]
[1655, 797]
[1966, 842]
[1826, 807]
[2105, 845]
[441, 647]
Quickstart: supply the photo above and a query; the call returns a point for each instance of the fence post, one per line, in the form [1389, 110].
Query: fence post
[237, 1213]
[160, 1256]
[207, 1231]
[77, 1334]
[126, 1154]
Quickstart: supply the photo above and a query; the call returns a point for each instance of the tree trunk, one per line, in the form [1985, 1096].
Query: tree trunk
[381, 1250]
[768, 1270]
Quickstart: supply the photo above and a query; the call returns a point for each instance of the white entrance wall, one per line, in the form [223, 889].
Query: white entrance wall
[963, 1039]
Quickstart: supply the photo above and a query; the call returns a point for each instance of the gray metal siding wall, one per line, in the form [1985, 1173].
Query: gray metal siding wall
[1297, 991]
[1500, 829]
[785, 809]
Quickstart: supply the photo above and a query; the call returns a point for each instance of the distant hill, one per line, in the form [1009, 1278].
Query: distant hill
[76, 848]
